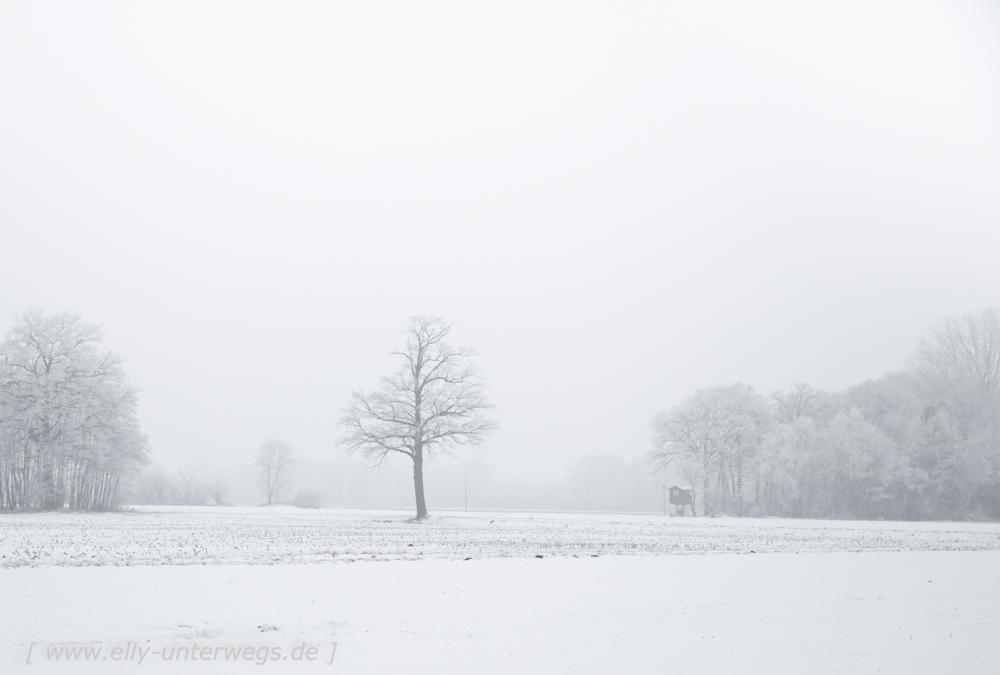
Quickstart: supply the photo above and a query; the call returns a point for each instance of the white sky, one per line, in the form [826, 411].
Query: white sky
[618, 202]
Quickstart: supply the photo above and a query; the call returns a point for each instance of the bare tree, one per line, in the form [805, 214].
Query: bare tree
[190, 492]
[154, 487]
[963, 350]
[274, 460]
[435, 400]
[800, 401]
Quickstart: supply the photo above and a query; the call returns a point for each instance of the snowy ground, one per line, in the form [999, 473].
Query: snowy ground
[817, 597]
[196, 536]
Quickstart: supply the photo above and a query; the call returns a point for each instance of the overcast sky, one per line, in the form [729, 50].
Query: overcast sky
[618, 202]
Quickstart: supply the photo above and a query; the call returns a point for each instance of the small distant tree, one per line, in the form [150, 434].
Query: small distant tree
[217, 490]
[435, 400]
[274, 463]
[190, 490]
[154, 486]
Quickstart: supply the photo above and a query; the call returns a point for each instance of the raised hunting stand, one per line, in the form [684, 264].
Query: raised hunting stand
[680, 497]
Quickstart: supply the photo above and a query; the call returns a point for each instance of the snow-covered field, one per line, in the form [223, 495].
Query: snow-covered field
[468, 593]
[197, 536]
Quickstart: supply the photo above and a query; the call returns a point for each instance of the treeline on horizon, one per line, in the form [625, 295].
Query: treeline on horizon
[920, 444]
[603, 482]
[916, 444]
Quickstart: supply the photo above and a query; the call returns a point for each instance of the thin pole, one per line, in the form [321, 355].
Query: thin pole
[664, 500]
[466, 496]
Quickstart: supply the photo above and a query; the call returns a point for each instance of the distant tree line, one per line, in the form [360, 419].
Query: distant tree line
[69, 436]
[269, 476]
[601, 482]
[923, 443]
[184, 487]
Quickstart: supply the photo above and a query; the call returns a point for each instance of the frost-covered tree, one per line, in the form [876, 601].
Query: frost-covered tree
[720, 429]
[69, 434]
[963, 350]
[786, 469]
[798, 402]
[435, 400]
[860, 463]
[919, 443]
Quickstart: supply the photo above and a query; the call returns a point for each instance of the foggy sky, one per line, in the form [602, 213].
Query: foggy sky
[617, 202]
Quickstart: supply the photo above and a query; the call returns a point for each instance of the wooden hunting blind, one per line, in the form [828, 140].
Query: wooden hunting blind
[680, 496]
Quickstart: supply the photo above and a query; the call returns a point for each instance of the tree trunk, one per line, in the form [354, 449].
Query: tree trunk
[418, 444]
[418, 481]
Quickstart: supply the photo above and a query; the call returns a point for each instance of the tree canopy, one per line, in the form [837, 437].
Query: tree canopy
[435, 400]
[69, 433]
[923, 443]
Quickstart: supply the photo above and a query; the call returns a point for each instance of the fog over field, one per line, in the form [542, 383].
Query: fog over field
[617, 203]
[455, 315]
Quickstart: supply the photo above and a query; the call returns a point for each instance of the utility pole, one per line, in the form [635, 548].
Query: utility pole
[466, 496]
[664, 500]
